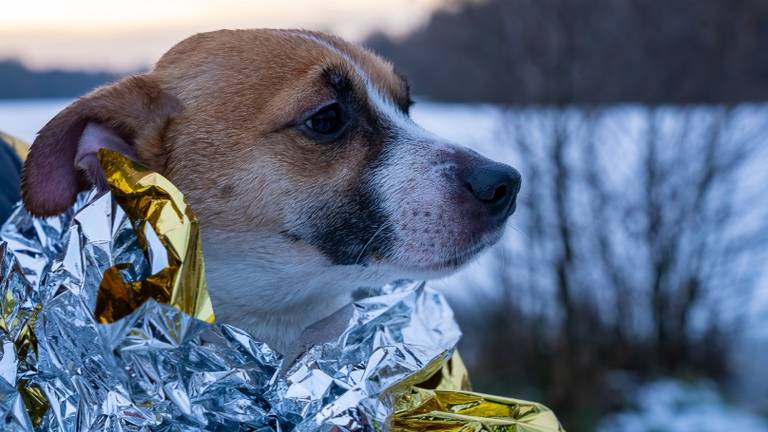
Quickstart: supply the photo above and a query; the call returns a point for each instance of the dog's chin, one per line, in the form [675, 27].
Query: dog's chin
[442, 263]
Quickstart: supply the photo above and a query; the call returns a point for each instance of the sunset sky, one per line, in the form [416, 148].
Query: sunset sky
[128, 35]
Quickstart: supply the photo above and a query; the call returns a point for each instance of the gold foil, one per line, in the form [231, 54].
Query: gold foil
[152, 202]
[445, 403]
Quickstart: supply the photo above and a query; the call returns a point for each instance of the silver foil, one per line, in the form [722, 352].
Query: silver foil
[160, 369]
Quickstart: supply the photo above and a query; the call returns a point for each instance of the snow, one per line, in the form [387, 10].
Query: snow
[676, 406]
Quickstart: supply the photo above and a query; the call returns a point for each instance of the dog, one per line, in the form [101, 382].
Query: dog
[297, 152]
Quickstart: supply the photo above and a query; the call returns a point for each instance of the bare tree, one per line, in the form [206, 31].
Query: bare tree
[638, 226]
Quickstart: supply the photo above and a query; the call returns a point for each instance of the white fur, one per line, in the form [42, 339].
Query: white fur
[263, 285]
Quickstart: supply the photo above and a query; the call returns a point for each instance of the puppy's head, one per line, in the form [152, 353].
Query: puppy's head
[299, 136]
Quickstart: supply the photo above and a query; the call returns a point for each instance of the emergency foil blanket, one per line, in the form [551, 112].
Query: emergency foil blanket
[106, 324]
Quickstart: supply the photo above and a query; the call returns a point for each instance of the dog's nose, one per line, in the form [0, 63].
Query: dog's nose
[496, 185]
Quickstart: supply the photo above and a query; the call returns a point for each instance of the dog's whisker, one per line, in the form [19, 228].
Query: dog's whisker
[381, 227]
[303, 222]
[521, 232]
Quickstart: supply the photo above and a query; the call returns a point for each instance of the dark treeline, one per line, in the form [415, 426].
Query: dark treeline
[17, 81]
[588, 51]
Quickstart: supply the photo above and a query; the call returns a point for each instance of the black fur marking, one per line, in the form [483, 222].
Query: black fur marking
[291, 236]
[339, 80]
[355, 230]
[406, 104]
[356, 227]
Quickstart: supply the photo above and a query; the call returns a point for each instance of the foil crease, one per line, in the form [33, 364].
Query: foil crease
[158, 363]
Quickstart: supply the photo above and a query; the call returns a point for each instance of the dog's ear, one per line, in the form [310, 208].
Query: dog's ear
[121, 116]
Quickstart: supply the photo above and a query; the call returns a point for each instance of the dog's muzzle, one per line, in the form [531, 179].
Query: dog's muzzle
[495, 186]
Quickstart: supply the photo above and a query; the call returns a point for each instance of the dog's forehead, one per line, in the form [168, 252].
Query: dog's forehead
[274, 57]
[374, 67]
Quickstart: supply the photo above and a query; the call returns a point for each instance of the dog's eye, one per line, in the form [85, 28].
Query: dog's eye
[328, 121]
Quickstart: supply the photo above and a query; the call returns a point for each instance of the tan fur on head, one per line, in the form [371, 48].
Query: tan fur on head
[293, 219]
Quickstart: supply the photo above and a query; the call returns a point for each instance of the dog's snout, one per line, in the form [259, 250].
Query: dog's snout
[496, 185]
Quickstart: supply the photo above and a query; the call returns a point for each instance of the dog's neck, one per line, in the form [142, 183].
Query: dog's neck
[260, 285]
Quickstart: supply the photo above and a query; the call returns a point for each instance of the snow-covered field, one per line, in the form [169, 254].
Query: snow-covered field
[700, 408]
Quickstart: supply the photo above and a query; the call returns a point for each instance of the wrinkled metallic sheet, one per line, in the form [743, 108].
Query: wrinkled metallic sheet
[66, 366]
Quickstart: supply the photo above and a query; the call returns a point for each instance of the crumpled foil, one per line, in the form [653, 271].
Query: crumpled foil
[106, 324]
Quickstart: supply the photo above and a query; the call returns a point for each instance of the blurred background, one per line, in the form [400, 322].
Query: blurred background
[630, 291]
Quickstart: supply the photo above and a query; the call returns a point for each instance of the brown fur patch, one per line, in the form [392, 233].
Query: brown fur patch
[135, 108]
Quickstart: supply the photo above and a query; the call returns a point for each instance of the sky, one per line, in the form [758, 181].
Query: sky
[131, 35]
